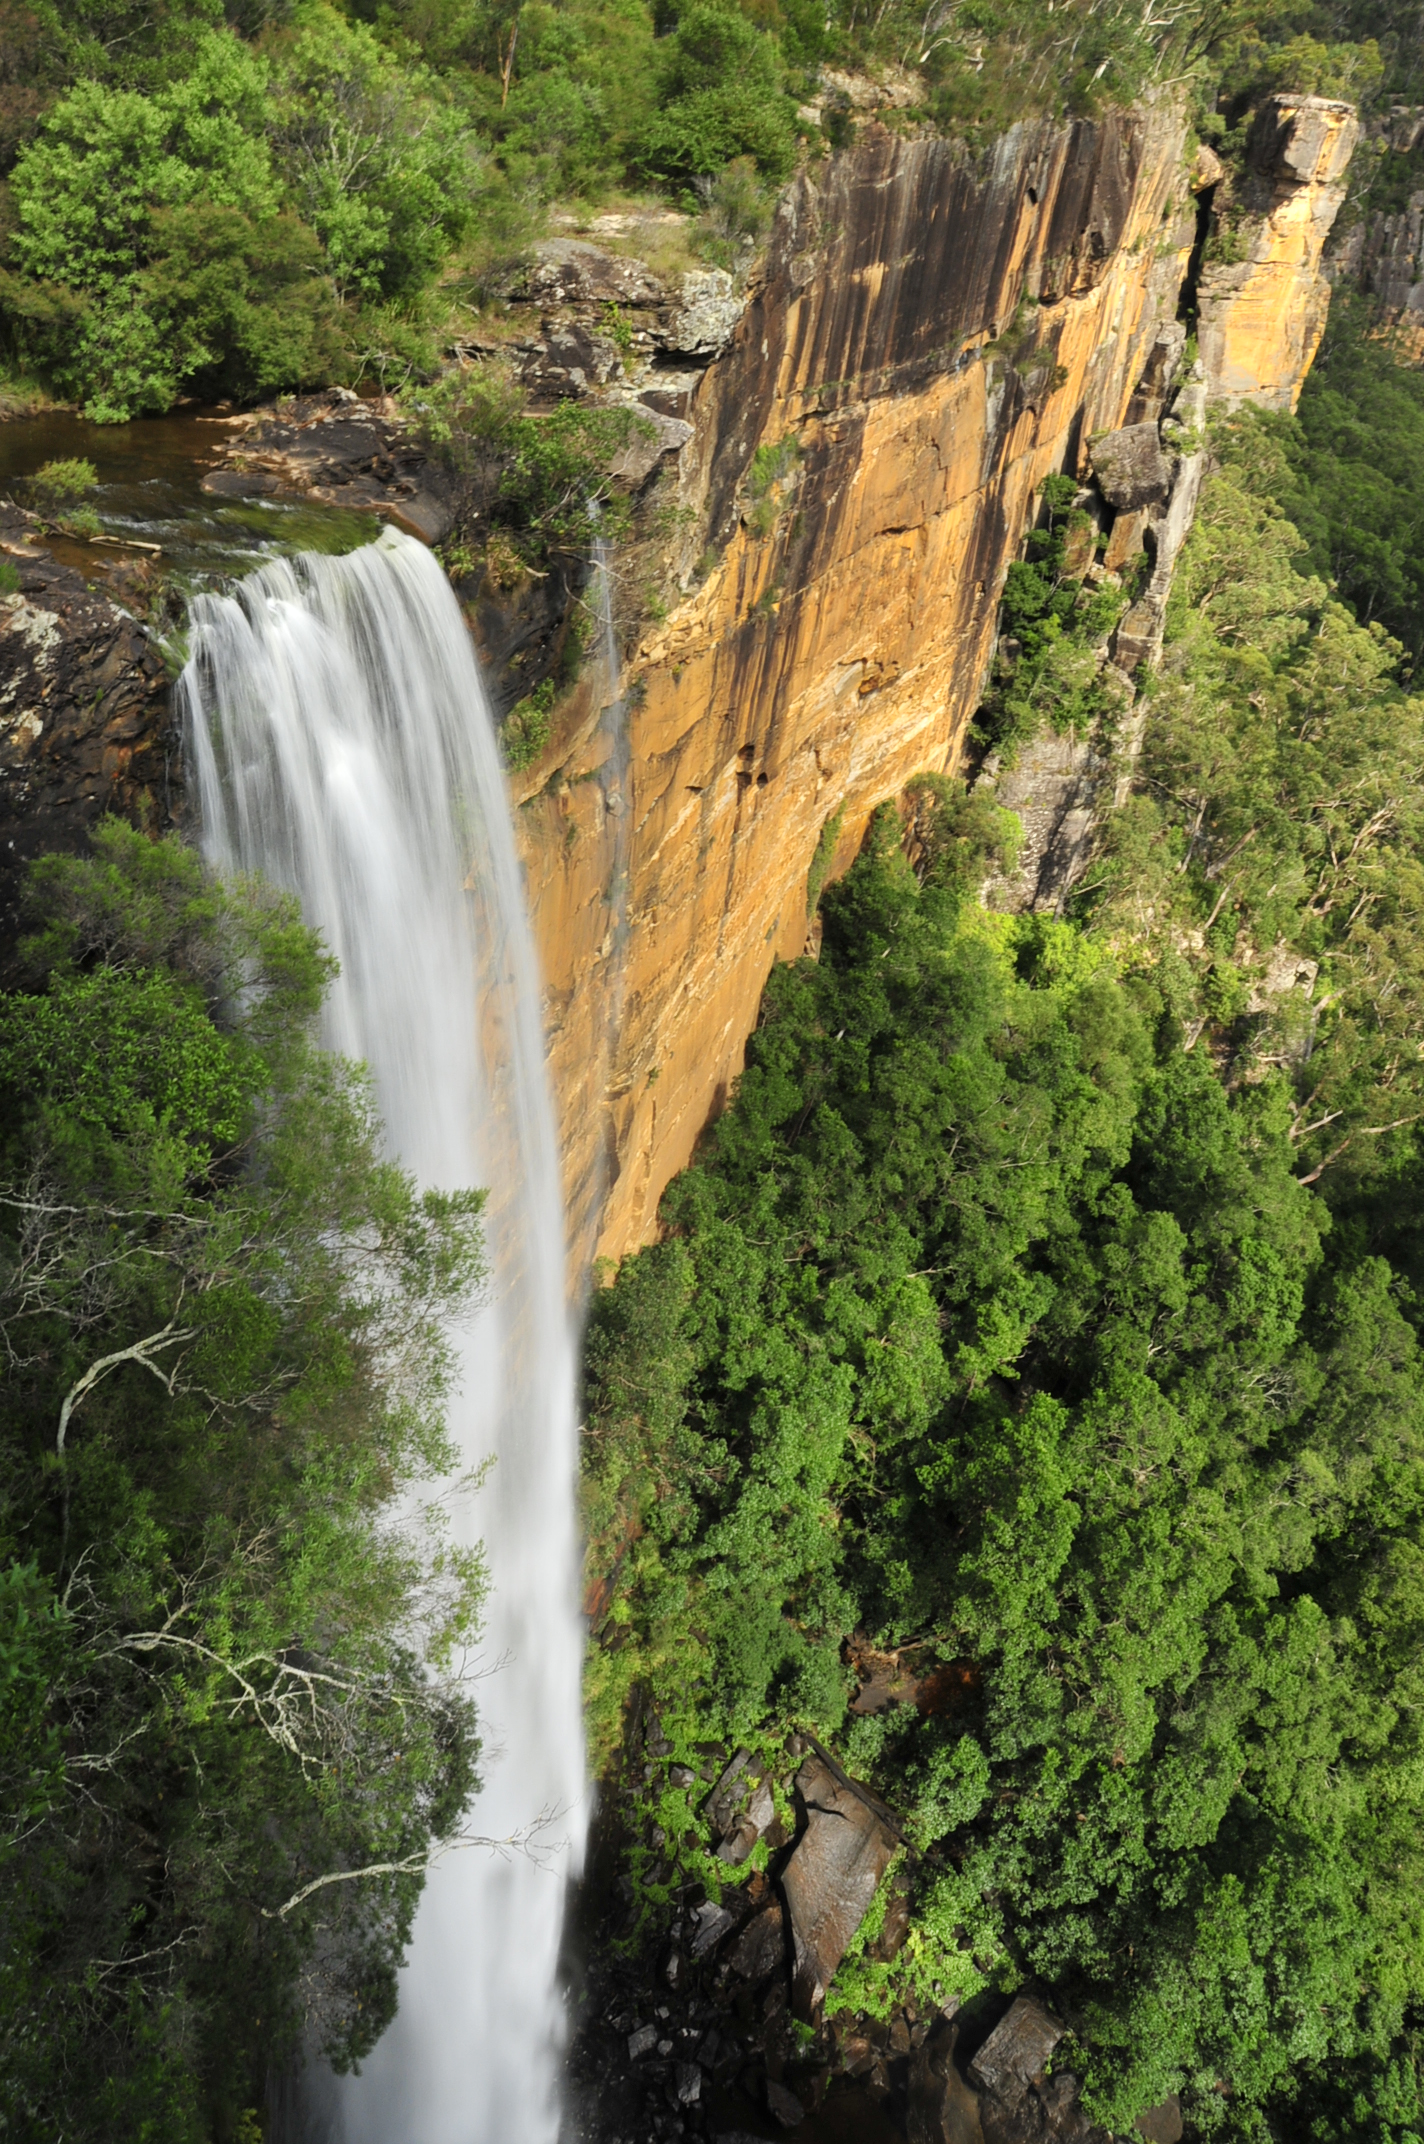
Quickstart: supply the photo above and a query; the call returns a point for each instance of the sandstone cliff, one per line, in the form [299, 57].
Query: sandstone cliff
[931, 336]
[1261, 317]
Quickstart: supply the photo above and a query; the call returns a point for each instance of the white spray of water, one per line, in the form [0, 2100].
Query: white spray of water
[342, 746]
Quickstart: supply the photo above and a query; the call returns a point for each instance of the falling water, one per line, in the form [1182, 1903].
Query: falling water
[344, 748]
[615, 781]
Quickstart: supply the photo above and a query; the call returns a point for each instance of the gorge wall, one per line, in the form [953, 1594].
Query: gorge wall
[930, 336]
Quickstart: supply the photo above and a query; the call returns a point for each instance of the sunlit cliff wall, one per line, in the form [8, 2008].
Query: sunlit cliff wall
[838, 644]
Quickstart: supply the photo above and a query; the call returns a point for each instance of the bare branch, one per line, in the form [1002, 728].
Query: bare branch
[139, 1352]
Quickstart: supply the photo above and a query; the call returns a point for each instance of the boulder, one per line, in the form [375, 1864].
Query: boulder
[569, 271]
[711, 1922]
[832, 1876]
[784, 2105]
[703, 322]
[943, 2108]
[1207, 169]
[1163, 2124]
[1303, 140]
[654, 437]
[1016, 2051]
[761, 1946]
[1131, 469]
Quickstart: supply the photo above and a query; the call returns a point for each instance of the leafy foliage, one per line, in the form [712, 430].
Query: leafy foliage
[222, 1679]
[545, 480]
[1276, 840]
[1056, 627]
[1354, 452]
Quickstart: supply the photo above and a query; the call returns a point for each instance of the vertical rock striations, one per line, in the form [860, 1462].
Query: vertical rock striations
[931, 336]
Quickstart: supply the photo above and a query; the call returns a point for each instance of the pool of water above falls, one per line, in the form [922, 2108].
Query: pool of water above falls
[151, 503]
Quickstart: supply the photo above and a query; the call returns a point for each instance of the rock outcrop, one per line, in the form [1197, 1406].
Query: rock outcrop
[84, 715]
[1382, 251]
[1261, 316]
[342, 451]
[931, 335]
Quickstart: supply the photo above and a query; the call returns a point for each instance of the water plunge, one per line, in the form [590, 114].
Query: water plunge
[342, 745]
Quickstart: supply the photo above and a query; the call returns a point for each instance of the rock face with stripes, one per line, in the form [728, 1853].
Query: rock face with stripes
[931, 333]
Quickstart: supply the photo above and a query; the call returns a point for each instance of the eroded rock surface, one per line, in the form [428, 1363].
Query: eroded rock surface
[344, 452]
[85, 717]
[1131, 469]
[841, 594]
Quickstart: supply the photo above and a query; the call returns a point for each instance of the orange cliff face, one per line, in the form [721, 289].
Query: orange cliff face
[1262, 315]
[932, 335]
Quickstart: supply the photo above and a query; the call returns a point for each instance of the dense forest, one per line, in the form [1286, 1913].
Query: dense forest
[1048, 1303]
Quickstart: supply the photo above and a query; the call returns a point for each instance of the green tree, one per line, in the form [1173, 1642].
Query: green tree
[230, 1730]
[992, 1319]
[373, 160]
[720, 96]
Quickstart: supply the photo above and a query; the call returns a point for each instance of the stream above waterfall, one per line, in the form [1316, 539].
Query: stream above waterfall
[151, 503]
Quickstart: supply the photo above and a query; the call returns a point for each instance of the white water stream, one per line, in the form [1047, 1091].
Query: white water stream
[342, 745]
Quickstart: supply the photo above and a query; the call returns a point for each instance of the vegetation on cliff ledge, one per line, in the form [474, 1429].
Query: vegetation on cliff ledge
[1047, 1309]
[226, 1734]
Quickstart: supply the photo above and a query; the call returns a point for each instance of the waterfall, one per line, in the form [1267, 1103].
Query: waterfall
[343, 746]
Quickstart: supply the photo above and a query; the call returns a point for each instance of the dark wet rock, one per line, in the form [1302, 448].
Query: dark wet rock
[784, 2105]
[642, 2042]
[740, 1809]
[761, 1947]
[832, 1876]
[725, 1800]
[710, 1922]
[944, 2109]
[241, 483]
[1016, 2051]
[1161, 2125]
[344, 452]
[1131, 469]
[85, 717]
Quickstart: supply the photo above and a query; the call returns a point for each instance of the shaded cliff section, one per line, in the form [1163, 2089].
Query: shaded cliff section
[930, 336]
[86, 722]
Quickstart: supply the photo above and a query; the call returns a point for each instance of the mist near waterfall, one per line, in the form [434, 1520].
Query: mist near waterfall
[343, 746]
